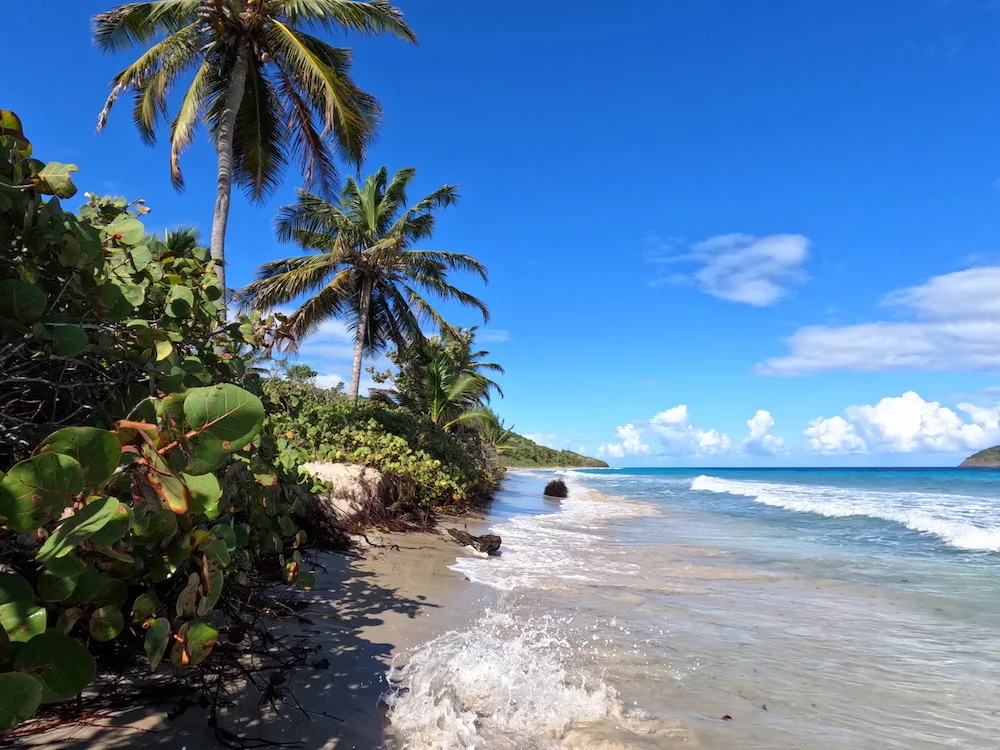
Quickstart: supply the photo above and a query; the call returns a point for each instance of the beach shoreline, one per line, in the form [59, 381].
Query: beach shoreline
[367, 609]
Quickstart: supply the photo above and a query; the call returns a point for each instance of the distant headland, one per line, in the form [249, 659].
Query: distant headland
[987, 458]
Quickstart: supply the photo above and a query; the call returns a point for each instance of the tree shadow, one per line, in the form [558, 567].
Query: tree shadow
[332, 701]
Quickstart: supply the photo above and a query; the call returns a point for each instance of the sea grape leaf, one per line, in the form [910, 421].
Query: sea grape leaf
[54, 179]
[195, 642]
[68, 340]
[145, 606]
[63, 664]
[22, 622]
[38, 489]
[115, 528]
[157, 639]
[20, 696]
[97, 451]
[77, 528]
[106, 623]
[67, 566]
[225, 418]
[205, 493]
[55, 588]
[21, 301]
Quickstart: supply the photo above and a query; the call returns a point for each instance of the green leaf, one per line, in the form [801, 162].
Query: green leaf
[134, 294]
[114, 530]
[68, 340]
[179, 301]
[226, 418]
[68, 620]
[140, 255]
[79, 527]
[54, 179]
[126, 229]
[97, 451]
[21, 301]
[20, 696]
[157, 639]
[217, 580]
[10, 127]
[205, 493]
[217, 551]
[54, 588]
[37, 490]
[67, 566]
[196, 641]
[63, 664]
[106, 623]
[170, 488]
[14, 588]
[94, 587]
[306, 581]
[162, 527]
[145, 606]
[22, 622]
[164, 349]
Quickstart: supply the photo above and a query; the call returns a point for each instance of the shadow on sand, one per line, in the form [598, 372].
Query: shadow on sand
[338, 691]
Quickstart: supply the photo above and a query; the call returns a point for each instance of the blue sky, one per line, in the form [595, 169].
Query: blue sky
[733, 207]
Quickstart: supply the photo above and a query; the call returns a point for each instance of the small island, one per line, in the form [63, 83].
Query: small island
[984, 459]
[521, 453]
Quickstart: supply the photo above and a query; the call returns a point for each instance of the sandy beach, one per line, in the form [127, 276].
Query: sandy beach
[366, 608]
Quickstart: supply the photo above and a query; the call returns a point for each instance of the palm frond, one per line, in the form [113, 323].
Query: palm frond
[133, 24]
[186, 121]
[258, 153]
[372, 17]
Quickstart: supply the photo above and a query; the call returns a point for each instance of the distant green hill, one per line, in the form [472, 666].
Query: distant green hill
[523, 453]
[988, 457]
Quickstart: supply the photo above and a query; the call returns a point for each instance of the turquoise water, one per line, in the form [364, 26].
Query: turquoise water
[828, 609]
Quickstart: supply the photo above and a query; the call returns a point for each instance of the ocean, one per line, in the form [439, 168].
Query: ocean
[779, 608]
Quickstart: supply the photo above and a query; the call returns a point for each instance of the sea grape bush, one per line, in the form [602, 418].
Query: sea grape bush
[310, 423]
[124, 529]
[96, 315]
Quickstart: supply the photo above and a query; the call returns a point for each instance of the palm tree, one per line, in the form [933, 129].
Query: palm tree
[412, 364]
[495, 433]
[451, 396]
[361, 265]
[265, 88]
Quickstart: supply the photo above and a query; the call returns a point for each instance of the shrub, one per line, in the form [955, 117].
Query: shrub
[441, 469]
[112, 529]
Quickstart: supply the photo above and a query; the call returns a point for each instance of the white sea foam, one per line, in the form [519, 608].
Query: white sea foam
[500, 684]
[551, 550]
[955, 519]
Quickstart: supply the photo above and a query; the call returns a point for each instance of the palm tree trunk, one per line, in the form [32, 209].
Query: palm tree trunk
[227, 124]
[364, 303]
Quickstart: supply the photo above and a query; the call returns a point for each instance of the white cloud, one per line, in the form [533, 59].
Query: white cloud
[906, 424]
[631, 443]
[493, 335]
[742, 268]
[759, 441]
[670, 433]
[956, 328]
[834, 435]
[329, 381]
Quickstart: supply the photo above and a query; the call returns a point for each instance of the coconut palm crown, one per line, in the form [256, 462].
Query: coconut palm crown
[267, 90]
[361, 265]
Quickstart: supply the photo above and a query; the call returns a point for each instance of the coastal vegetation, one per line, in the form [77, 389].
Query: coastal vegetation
[151, 435]
[523, 453]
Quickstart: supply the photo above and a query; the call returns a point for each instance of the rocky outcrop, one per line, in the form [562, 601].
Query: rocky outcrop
[354, 490]
[556, 488]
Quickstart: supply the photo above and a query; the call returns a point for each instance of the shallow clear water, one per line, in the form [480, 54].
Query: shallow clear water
[815, 608]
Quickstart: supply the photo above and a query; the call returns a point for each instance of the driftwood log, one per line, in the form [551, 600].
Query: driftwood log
[488, 543]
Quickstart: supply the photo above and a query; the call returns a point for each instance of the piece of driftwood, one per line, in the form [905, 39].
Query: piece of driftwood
[488, 543]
